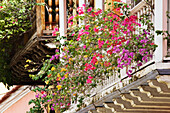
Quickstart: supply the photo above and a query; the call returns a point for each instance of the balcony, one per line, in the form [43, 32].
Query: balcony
[54, 15]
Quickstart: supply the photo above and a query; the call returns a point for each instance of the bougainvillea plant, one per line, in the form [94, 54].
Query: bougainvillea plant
[107, 42]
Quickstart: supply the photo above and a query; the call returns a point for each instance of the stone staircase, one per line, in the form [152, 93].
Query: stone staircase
[153, 96]
[36, 50]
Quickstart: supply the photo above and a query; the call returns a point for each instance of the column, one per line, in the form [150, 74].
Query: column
[158, 55]
[62, 17]
[99, 4]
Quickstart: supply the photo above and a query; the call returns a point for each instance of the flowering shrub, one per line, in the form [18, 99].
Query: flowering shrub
[106, 43]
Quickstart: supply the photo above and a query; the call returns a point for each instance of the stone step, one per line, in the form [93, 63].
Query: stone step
[136, 103]
[102, 109]
[122, 103]
[143, 97]
[152, 92]
[161, 87]
[125, 105]
[152, 96]
[93, 111]
[112, 106]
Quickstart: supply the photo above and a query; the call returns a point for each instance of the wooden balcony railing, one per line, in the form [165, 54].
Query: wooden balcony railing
[134, 3]
[55, 13]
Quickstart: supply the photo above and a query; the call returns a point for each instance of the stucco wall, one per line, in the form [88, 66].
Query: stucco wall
[21, 106]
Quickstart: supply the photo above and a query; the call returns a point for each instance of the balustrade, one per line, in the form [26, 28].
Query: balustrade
[134, 3]
[57, 13]
[52, 15]
[91, 3]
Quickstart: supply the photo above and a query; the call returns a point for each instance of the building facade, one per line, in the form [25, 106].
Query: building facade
[149, 93]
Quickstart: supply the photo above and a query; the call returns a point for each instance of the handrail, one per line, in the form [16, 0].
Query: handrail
[95, 98]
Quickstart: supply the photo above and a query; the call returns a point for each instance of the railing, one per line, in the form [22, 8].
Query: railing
[134, 3]
[143, 8]
[55, 13]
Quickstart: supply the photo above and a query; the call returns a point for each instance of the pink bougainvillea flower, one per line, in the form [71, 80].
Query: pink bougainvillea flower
[90, 77]
[73, 34]
[81, 32]
[71, 18]
[98, 12]
[107, 41]
[152, 44]
[78, 39]
[37, 96]
[88, 81]
[139, 64]
[1, 7]
[52, 58]
[84, 5]
[56, 29]
[87, 27]
[84, 46]
[54, 33]
[94, 60]
[89, 9]
[49, 100]
[52, 108]
[86, 33]
[96, 30]
[68, 104]
[117, 9]
[100, 43]
[129, 75]
[57, 50]
[80, 10]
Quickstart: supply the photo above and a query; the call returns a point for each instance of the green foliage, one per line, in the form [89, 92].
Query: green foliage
[15, 19]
